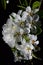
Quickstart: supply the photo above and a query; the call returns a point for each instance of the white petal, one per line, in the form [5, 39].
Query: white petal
[24, 16]
[23, 41]
[36, 18]
[30, 45]
[13, 14]
[28, 30]
[35, 11]
[28, 25]
[16, 21]
[37, 42]
[18, 17]
[30, 57]
[21, 31]
[24, 13]
[29, 19]
[28, 9]
[19, 12]
[35, 37]
[9, 22]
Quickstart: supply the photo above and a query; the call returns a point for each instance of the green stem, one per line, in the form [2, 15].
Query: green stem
[40, 3]
[36, 57]
[30, 2]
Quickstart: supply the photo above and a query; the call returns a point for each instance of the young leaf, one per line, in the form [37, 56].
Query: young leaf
[36, 4]
[3, 4]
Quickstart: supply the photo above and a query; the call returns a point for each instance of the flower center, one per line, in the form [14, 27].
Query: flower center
[31, 14]
[28, 48]
[22, 24]
[17, 34]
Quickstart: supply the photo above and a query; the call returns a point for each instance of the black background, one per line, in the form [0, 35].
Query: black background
[6, 55]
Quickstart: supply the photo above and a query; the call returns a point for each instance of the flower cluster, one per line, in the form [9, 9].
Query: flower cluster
[19, 33]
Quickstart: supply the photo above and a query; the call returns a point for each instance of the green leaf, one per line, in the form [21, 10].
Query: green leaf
[3, 4]
[36, 4]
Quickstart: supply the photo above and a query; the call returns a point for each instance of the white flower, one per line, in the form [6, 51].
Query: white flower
[27, 56]
[27, 51]
[17, 33]
[33, 39]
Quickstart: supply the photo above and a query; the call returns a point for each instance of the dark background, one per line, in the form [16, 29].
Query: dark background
[6, 55]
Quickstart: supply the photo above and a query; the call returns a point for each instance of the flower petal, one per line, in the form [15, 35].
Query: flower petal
[28, 9]
[37, 42]
[19, 12]
[29, 19]
[36, 18]
[35, 11]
